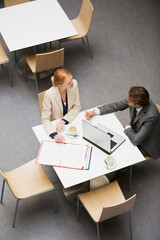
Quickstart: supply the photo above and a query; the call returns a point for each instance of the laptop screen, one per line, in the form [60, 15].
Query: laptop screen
[96, 136]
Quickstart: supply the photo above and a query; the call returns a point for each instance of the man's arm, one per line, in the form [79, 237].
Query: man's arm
[113, 107]
[137, 138]
[108, 108]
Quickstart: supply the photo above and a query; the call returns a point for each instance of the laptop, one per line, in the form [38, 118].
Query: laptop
[101, 136]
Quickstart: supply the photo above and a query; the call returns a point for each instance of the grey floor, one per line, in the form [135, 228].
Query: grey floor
[125, 39]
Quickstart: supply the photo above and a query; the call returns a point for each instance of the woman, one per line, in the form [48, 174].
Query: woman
[60, 101]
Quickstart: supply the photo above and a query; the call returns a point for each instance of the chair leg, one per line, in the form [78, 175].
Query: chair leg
[2, 190]
[90, 52]
[55, 205]
[24, 69]
[77, 208]
[35, 77]
[10, 74]
[15, 214]
[130, 178]
[98, 233]
[130, 223]
[83, 40]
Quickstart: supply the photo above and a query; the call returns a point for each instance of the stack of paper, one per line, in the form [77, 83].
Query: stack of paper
[68, 155]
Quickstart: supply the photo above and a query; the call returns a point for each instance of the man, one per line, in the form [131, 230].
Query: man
[144, 127]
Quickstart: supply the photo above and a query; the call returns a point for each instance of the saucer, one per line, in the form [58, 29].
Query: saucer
[71, 135]
[109, 167]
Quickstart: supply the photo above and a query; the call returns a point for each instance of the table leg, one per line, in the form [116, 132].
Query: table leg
[71, 192]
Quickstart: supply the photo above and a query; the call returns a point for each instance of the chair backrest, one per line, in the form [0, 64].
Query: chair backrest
[112, 211]
[3, 56]
[85, 15]
[40, 101]
[48, 60]
[158, 107]
[3, 174]
[8, 3]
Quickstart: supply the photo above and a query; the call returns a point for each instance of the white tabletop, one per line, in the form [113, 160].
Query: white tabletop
[125, 155]
[33, 23]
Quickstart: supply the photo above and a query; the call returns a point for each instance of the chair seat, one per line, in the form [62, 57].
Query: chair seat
[3, 56]
[28, 180]
[107, 196]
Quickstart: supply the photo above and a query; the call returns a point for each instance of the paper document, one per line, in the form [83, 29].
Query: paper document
[68, 155]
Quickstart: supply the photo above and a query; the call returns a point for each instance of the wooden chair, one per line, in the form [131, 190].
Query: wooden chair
[27, 181]
[40, 101]
[44, 61]
[147, 157]
[82, 24]
[48, 60]
[8, 3]
[106, 202]
[5, 60]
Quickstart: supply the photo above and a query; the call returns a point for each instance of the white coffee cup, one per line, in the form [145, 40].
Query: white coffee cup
[73, 130]
[110, 161]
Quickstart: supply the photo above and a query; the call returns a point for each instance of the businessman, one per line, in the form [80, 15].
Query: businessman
[143, 130]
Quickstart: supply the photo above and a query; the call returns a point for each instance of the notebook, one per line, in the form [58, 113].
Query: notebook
[66, 155]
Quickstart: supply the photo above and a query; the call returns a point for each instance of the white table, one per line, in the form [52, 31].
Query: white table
[33, 23]
[125, 155]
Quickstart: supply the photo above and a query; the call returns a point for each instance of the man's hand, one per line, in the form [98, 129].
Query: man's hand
[90, 114]
[60, 126]
[59, 138]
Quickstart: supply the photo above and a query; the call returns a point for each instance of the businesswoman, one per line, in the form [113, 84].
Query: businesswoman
[60, 101]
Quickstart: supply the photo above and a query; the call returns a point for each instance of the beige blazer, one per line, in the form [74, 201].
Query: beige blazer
[53, 109]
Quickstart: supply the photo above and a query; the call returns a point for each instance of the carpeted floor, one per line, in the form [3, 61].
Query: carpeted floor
[124, 38]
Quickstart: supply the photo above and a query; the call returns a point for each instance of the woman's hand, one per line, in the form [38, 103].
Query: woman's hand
[60, 126]
[59, 138]
[90, 114]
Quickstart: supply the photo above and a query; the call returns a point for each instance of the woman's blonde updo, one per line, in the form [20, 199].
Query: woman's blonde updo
[59, 77]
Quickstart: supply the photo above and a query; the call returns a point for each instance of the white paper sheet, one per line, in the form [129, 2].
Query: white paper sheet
[63, 154]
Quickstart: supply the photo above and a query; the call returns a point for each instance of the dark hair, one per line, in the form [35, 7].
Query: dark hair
[139, 95]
